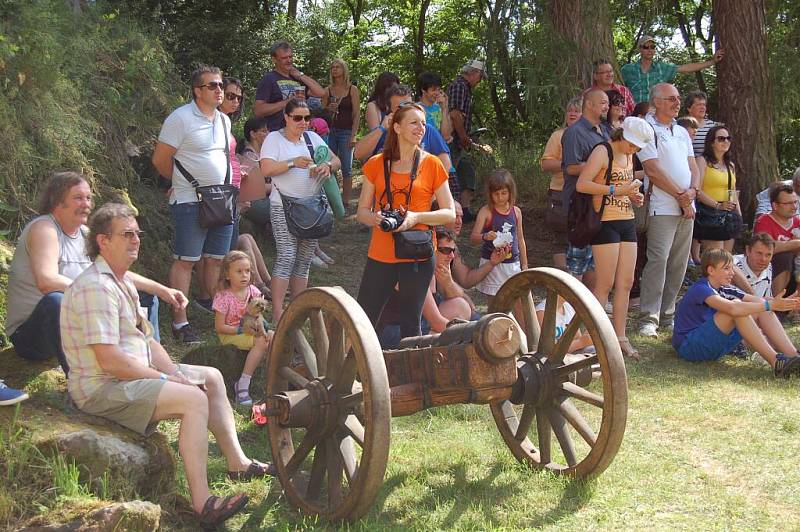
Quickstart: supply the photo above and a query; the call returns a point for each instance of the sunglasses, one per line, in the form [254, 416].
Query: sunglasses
[446, 250]
[214, 85]
[128, 234]
[721, 138]
[231, 96]
[651, 47]
[299, 118]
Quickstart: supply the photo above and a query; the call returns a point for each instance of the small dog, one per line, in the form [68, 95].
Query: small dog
[252, 322]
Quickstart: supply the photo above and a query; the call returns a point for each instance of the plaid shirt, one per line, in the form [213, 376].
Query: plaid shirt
[99, 308]
[459, 96]
[640, 82]
[622, 89]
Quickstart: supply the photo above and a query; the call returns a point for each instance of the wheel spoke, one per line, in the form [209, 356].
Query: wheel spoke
[293, 377]
[349, 401]
[566, 369]
[334, 475]
[354, 427]
[543, 432]
[336, 351]
[321, 342]
[347, 374]
[532, 330]
[562, 435]
[347, 452]
[548, 334]
[317, 472]
[300, 454]
[557, 355]
[525, 421]
[582, 394]
[307, 352]
[576, 419]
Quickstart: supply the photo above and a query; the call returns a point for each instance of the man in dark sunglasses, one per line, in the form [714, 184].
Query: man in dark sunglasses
[281, 84]
[647, 72]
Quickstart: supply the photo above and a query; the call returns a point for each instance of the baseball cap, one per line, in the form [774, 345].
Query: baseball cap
[319, 125]
[637, 131]
[477, 65]
[645, 39]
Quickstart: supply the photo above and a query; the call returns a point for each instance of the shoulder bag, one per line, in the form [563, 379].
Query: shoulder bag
[414, 244]
[217, 202]
[584, 221]
[717, 224]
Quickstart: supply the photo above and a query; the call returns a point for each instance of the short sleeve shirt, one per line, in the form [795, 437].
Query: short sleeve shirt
[763, 205]
[100, 308]
[699, 140]
[672, 148]
[275, 87]
[430, 176]
[562, 320]
[761, 284]
[577, 144]
[552, 152]
[779, 233]
[200, 148]
[624, 91]
[433, 115]
[296, 182]
[640, 82]
[693, 311]
[459, 97]
[233, 308]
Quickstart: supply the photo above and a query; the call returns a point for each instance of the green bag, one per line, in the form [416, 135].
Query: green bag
[330, 186]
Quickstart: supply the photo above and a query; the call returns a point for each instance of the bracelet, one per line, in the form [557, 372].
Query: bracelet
[611, 190]
[719, 205]
[766, 305]
[383, 129]
[163, 376]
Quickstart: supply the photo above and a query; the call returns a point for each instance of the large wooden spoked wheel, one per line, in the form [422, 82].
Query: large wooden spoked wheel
[332, 459]
[582, 400]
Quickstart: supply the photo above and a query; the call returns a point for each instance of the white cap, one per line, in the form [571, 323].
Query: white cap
[477, 65]
[637, 131]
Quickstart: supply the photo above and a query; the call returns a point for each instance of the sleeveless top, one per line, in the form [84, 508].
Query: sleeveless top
[715, 183]
[343, 119]
[617, 207]
[23, 294]
[495, 223]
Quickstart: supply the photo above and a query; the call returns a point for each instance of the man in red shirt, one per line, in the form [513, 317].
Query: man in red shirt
[603, 79]
[783, 225]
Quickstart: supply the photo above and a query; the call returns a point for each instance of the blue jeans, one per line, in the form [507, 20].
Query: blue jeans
[39, 337]
[339, 143]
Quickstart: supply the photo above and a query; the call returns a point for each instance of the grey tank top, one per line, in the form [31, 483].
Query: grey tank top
[23, 294]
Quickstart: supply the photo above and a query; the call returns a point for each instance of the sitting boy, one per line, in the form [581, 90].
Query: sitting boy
[714, 316]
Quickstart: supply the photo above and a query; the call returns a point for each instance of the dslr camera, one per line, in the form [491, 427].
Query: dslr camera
[392, 219]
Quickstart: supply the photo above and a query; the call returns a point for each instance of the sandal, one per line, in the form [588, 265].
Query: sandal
[212, 517]
[628, 350]
[257, 415]
[256, 469]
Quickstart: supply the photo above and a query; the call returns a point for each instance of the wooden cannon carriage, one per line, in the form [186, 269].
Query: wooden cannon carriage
[330, 433]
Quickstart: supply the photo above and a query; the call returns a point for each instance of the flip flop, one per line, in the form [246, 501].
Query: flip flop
[211, 517]
[258, 416]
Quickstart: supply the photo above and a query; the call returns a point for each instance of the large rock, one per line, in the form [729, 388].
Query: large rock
[133, 516]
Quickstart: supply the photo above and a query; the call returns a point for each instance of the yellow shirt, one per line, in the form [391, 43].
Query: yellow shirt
[715, 183]
[552, 152]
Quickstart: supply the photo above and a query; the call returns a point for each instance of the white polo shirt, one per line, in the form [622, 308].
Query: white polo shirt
[201, 149]
[673, 152]
[761, 284]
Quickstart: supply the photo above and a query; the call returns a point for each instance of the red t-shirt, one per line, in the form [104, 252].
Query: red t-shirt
[767, 224]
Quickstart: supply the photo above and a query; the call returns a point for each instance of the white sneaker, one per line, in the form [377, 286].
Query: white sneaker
[319, 263]
[758, 359]
[648, 329]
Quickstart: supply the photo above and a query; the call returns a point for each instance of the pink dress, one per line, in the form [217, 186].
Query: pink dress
[231, 306]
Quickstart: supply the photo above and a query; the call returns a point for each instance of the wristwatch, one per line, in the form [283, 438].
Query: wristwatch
[290, 164]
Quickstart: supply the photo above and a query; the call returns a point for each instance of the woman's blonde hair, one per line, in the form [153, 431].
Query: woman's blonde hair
[339, 61]
[230, 258]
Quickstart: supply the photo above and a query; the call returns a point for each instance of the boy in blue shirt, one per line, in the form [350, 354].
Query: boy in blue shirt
[434, 100]
[714, 316]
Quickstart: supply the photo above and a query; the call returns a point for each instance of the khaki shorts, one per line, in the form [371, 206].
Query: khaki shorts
[243, 341]
[129, 403]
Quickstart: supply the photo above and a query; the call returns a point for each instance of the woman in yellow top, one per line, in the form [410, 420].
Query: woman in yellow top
[614, 246]
[551, 163]
[715, 166]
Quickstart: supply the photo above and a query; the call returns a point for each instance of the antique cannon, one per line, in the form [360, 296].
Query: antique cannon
[330, 416]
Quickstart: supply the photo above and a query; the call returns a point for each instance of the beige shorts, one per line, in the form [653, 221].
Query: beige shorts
[245, 342]
[129, 403]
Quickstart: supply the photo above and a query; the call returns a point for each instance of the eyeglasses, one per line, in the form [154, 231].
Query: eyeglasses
[671, 99]
[724, 139]
[128, 234]
[213, 86]
[231, 96]
[651, 47]
[795, 202]
[299, 118]
[446, 250]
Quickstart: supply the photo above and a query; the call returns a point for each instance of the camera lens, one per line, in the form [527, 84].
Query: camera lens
[388, 224]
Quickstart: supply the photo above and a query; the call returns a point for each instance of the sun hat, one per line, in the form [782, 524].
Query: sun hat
[319, 125]
[637, 131]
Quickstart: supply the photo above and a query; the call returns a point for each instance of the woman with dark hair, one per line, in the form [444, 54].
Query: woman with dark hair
[717, 191]
[616, 109]
[641, 109]
[415, 179]
[378, 104]
[286, 159]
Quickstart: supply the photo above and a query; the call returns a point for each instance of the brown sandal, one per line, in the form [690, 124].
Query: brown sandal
[256, 469]
[212, 517]
[628, 350]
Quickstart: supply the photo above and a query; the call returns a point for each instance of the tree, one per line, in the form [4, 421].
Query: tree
[744, 93]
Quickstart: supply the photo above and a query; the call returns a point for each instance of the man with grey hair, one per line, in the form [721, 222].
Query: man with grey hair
[763, 203]
[603, 79]
[119, 372]
[280, 84]
[459, 97]
[670, 168]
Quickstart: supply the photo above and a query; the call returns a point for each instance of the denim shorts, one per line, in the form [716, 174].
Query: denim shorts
[192, 241]
[707, 342]
[579, 260]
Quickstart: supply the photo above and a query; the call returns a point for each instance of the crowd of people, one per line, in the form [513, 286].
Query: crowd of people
[654, 180]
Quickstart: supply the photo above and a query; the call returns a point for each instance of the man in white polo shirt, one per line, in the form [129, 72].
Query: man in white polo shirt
[753, 270]
[669, 165]
[196, 135]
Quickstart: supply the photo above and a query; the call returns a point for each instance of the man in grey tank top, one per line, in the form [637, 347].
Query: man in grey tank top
[50, 254]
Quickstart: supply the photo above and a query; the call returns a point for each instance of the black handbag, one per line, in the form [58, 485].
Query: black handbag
[717, 224]
[414, 244]
[584, 221]
[308, 218]
[217, 203]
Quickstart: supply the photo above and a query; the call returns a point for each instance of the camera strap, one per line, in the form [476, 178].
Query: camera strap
[412, 177]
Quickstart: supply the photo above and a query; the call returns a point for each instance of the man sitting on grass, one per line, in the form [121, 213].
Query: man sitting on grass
[714, 316]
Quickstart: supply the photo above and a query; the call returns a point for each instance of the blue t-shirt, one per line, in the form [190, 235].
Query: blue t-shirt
[432, 142]
[275, 87]
[693, 311]
[433, 115]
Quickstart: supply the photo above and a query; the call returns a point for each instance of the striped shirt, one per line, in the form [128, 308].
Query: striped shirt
[99, 308]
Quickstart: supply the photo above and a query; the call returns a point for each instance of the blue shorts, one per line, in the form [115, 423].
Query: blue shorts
[579, 260]
[192, 241]
[707, 342]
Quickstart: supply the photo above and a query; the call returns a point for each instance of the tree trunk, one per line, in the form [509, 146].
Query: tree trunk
[419, 42]
[744, 94]
[585, 25]
[291, 11]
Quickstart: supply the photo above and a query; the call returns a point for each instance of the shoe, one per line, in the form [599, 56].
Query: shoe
[186, 335]
[324, 256]
[10, 396]
[756, 358]
[628, 350]
[242, 396]
[256, 469]
[668, 327]
[257, 415]
[740, 351]
[785, 366]
[205, 304]
[648, 329]
[319, 263]
[211, 518]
